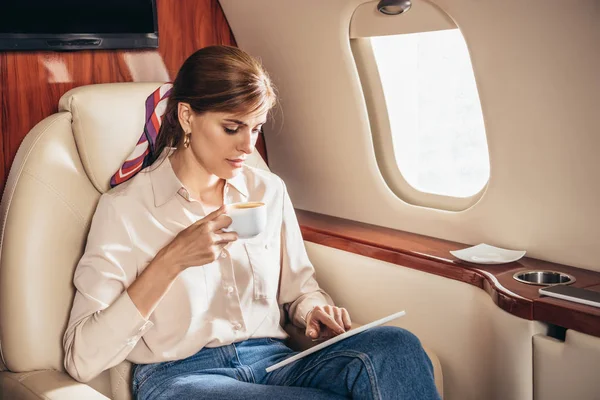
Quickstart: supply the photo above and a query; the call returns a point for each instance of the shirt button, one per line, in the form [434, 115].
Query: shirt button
[230, 289]
[266, 246]
[237, 326]
[223, 254]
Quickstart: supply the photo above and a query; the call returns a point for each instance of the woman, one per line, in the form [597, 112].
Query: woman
[194, 308]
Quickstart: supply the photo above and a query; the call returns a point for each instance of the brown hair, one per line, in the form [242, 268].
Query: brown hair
[217, 79]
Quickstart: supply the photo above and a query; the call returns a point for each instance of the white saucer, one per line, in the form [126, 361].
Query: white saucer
[486, 254]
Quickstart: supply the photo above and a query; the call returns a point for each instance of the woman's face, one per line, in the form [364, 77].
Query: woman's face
[221, 142]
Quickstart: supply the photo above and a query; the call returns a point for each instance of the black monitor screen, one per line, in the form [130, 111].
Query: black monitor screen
[76, 16]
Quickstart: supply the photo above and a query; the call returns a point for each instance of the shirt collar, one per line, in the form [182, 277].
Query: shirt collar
[238, 182]
[166, 185]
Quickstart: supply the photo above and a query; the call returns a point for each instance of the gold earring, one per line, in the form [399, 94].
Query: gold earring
[186, 140]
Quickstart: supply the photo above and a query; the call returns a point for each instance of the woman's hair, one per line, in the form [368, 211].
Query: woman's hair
[217, 79]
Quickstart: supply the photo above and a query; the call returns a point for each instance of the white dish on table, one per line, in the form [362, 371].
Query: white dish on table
[486, 254]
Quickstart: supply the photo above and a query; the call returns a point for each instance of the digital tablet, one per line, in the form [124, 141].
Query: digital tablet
[578, 295]
[335, 339]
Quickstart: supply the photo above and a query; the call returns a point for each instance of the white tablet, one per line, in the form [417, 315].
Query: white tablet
[335, 339]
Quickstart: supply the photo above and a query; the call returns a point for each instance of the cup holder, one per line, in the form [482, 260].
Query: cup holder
[544, 278]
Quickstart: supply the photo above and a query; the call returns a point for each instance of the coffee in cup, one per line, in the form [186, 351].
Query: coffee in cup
[248, 219]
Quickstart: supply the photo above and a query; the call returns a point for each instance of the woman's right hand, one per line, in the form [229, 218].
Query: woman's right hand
[201, 243]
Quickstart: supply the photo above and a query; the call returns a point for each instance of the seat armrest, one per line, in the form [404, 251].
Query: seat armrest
[45, 385]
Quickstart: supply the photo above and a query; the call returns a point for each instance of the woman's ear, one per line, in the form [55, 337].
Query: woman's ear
[184, 114]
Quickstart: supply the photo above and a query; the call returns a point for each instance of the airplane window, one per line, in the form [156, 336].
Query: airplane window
[434, 111]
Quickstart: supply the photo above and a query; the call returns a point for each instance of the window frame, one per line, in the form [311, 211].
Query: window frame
[430, 18]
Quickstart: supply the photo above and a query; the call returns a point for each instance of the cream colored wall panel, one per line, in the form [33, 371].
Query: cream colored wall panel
[536, 66]
[566, 370]
[485, 352]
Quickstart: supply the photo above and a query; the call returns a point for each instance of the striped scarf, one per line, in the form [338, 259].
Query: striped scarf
[139, 158]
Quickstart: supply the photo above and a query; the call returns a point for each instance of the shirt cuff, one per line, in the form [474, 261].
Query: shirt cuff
[123, 318]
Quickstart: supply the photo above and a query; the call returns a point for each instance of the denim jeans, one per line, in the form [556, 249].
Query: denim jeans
[381, 363]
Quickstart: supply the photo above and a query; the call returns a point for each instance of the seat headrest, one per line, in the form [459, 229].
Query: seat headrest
[108, 120]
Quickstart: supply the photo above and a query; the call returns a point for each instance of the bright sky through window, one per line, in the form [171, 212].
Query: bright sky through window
[434, 111]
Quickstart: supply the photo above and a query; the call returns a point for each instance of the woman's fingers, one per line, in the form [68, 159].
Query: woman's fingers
[336, 313]
[220, 222]
[224, 237]
[215, 228]
[346, 319]
[313, 329]
[212, 216]
[325, 319]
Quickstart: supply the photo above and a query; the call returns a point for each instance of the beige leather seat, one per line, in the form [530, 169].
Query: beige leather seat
[60, 170]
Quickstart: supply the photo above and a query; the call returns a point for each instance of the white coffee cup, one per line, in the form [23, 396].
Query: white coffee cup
[248, 219]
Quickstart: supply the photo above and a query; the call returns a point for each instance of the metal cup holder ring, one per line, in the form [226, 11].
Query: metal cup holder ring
[544, 277]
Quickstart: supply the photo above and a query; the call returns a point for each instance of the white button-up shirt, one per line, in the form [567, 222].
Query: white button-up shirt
[236, 297]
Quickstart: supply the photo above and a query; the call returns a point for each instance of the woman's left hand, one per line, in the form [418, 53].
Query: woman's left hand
[324, 322]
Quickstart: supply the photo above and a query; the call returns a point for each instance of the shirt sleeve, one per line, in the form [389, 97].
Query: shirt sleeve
[105, 324]
[299, 290]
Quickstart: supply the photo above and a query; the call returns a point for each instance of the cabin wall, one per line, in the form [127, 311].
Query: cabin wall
[566, 370]
[485, 352]
[536, 65]
[31, 83]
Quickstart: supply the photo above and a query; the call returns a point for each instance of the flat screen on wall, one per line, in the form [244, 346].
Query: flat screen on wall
[77, 24]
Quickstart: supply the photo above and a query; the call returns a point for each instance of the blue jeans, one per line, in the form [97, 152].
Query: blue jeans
[381, 363]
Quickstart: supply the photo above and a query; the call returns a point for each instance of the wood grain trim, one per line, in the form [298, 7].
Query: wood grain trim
[31, 83]
[3, 133]
[432, 256]
[595, 288]
[567, 314]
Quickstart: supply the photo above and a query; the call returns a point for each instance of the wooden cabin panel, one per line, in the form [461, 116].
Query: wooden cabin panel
[31, 83]
[3, 136]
